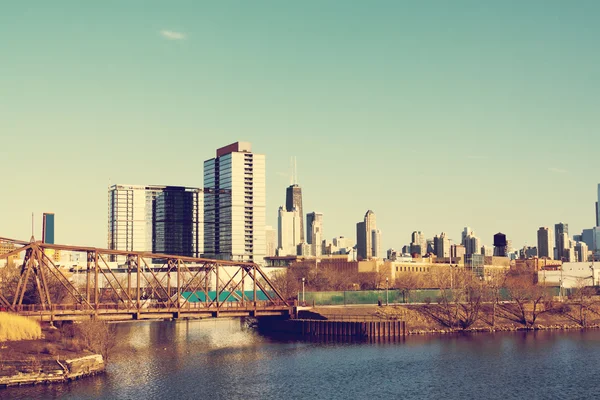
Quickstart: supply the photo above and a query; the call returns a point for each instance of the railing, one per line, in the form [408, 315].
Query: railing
[149, 307]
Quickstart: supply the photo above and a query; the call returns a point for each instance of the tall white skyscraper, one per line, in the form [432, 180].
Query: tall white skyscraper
[235, 203]
[314, 233]
[130, 217]
[289, 228]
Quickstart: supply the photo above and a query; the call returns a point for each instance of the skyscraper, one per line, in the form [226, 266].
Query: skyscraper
[418, 243]
[560, 245]
[48, 228]
[130, 217]
[234, 204]
[137, 223]
[598, 208]
[293, 199]
[376, 243]
[314, 231]
[288, 224]
[443, 245]
[364, 236]
[271, 241]
[176, 225]
[544, 240]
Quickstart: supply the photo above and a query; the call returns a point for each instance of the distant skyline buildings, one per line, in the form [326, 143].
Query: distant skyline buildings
[314, 237]
[289, 231]
[544, 243]
[561, 237]
[293, 199]
[364, 236]
[48, 228]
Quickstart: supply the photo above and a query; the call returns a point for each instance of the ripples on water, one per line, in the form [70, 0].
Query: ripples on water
[219, 359]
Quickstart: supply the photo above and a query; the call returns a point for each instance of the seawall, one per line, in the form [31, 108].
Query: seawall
[33, 371]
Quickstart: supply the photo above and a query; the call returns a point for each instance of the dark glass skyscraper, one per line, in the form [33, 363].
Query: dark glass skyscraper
[293, 198]
[176, 223]
[48, 228]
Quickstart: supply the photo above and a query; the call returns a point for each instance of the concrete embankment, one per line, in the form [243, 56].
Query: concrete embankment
[32, 371]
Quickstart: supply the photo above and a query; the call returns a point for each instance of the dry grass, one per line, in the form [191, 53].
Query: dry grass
[15, 327]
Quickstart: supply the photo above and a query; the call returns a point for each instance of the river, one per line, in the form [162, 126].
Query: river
[221, 359]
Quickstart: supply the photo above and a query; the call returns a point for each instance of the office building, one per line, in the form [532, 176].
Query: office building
[293, 199]
[288, 224]
[48, 228]
[598, 208]
[472, 245]
[364, 236]
[582, 251]
[457, 251]
[314, 232]
[443, 245]
[466, 233]
[376, 243]
[271, 241]
[418, 243]
[177, 227]
[560, 230]
[234, 204]
[544, 242]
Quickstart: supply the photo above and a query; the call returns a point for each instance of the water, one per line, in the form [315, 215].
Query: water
[219, 359]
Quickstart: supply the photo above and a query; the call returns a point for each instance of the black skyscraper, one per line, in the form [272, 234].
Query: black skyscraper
[175, 222]
[293, 198]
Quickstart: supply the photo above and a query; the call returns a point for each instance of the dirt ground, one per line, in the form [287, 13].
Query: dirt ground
[423, 318]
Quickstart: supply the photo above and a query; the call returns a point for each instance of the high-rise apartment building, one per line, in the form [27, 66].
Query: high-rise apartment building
[288, 224]
[235, 204]
[136, 222]
[314, 231]
[130, 217]
[293, 199]
[544, 243]
[177, 226]
[364, 236]
[48, 228]
[560, 230]
[472, 245]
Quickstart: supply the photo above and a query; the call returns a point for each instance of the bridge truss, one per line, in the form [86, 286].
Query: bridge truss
[143, 285]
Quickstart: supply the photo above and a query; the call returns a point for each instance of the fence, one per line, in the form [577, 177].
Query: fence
[393, 296]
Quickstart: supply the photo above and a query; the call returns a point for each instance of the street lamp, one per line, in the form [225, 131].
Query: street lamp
[303, 298]
[386, 291]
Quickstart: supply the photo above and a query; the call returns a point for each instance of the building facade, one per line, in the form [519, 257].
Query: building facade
[177, 226]
[293, 199]
[544, 240]
[561, 231]
[314, 232]
[364, 236]
[235, 204]
[130, 217]
[48, 228]
[289, 229]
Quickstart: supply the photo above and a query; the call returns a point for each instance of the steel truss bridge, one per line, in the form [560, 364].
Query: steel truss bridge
[145, 286]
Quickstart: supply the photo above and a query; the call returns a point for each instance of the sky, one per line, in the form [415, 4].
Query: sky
[434, 114]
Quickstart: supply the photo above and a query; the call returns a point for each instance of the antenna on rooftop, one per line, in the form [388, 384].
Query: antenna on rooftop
[295, 172]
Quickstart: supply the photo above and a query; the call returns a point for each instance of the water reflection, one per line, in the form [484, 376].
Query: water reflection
[224, 359]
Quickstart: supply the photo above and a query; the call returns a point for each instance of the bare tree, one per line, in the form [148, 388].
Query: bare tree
[97, 336]
[406, 282]
[529, 299]
[583, 299]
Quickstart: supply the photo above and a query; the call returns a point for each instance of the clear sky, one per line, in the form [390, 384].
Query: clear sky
[434, 114]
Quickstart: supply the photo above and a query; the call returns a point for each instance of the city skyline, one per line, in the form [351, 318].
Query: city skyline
[476, 132]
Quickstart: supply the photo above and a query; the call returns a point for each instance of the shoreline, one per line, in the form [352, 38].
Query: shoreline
[48, 372]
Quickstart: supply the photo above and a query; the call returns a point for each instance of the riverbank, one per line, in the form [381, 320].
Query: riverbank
[431, 319]
[56, 357]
